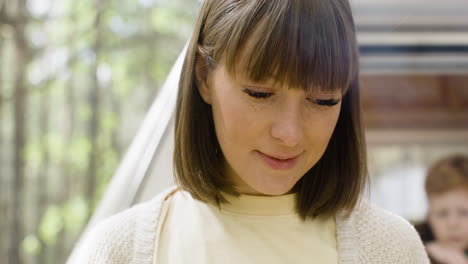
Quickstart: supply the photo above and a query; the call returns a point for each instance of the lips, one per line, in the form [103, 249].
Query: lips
[279, 162]
[455, 239]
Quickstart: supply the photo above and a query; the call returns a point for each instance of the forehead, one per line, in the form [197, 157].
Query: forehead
[450, 198]
[277, 75]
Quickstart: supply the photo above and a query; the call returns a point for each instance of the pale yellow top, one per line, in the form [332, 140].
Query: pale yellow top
[251, 229]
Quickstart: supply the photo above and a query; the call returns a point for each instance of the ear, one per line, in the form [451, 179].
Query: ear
[201, 75]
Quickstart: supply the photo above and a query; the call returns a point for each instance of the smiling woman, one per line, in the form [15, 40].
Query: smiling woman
[317, 64]
[269, 157]
[268, 135]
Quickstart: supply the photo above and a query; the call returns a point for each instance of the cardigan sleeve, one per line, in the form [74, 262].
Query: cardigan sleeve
[110, 241]
[387, 238]
[124, 238]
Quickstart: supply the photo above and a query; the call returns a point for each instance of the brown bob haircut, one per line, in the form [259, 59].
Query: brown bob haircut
[448, 174]
[306, 44]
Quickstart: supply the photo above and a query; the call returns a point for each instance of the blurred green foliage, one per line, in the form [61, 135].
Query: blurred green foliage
[31, 245]
[51, 225]
[122, 58]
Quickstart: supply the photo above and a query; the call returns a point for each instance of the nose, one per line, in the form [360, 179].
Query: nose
[287, 126]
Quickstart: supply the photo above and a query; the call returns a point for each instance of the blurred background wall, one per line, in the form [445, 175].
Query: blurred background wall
[79, 89]
[414, 80]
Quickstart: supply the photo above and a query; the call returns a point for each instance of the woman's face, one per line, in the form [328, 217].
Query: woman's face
[448, 217]
[270, 136]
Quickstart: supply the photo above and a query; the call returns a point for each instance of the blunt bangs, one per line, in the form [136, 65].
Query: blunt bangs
[309, 45]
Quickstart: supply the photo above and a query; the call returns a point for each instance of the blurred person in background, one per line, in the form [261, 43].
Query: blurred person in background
[445, 233]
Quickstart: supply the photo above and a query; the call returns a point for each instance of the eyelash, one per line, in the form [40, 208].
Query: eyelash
[328, 102]
[262, 95]
[258, 95]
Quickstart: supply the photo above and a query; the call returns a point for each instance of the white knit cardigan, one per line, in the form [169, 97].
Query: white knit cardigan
[369, 235]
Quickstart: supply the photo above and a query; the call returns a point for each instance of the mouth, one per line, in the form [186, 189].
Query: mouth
[455, 239]
[279, 162]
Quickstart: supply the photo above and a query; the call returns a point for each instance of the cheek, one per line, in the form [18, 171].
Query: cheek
[464, 221]
[334, 117]
[435, 219]
[435, 223]
[438, 225]
[321, 126]
[331, 123]
[234, 122]
[438, 230]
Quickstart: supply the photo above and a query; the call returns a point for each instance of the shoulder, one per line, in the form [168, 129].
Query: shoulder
[369, 218]
[121, 237]
[384, 237]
